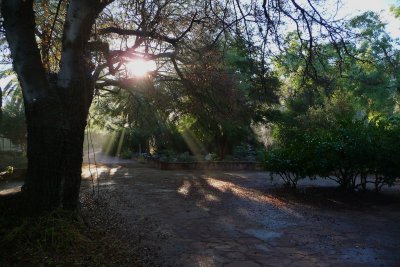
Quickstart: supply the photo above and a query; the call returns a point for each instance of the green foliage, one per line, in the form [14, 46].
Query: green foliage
[9, 170]
[168, 155]
[396, 9]
[337, 142]
[6, 172]
[184, 157]
[126, 154]
[211, 111]
[338, 118]
[212, 157]
[384, 155]
[15, 159]
[367, 69]
[287, 164]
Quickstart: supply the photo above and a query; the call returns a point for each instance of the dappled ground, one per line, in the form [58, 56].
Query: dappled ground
[194, 218]
[236, 218]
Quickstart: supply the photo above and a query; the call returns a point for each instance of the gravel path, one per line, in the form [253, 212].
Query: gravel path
[234, 219]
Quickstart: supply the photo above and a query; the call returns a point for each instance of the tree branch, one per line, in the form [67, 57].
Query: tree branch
[151, 34]
[80, 18]
[19, 24]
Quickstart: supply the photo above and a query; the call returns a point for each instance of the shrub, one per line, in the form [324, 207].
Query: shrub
[126, 154]
[212, 157]
[340, 147]
[289, 168]
[384, 157]
[343, 152]
[184, 157]
[168, 155]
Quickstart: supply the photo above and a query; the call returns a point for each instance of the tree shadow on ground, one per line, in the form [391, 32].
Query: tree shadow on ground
[329, 197]
[208, 212]
[210, 191]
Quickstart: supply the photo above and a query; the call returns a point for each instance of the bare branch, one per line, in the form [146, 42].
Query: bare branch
[152, 34]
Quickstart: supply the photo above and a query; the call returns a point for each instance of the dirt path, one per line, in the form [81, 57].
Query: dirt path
[233, 219]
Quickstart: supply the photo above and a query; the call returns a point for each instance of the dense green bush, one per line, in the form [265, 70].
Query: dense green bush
[385, 157]
[185, 157]
[287, 165]
[168, 155]
[339, 144]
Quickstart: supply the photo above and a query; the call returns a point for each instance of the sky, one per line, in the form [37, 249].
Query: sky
[353, 8]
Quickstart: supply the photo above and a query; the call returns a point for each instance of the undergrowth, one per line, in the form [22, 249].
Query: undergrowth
[59, 238]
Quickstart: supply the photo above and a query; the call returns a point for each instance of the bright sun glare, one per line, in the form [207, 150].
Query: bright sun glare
[140, 67]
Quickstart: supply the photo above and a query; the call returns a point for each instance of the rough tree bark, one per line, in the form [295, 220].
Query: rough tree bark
[56, 106]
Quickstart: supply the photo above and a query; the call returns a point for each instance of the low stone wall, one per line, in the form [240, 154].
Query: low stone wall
[155, 163]
[205, 165]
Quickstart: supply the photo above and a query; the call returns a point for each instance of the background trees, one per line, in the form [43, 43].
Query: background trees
[340, 120]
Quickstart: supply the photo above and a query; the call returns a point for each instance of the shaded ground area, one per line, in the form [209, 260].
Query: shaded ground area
[244, 219]
[193, 218]
[64, 238]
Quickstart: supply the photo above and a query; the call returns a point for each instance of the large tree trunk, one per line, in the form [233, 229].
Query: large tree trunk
[44, 152]
[76, 106]
[55, 141]
[56, 108]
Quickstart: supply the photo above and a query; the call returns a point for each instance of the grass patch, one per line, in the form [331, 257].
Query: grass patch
[59, 238]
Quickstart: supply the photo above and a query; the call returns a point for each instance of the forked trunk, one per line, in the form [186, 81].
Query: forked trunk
[57, 108]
